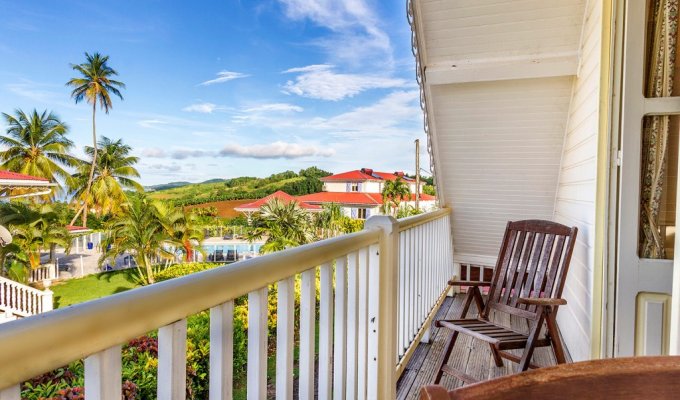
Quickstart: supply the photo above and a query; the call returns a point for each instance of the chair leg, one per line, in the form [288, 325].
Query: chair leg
[496, 355]
[447, 352]
[534, 333]
[555, 338]
[469, 296]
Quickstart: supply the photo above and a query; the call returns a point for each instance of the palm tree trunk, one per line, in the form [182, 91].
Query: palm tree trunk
[94, 160]
[149, 270]
[75, 217]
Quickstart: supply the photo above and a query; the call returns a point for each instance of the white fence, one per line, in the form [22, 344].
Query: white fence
[18, 301]
[44, 273]
[377, 290]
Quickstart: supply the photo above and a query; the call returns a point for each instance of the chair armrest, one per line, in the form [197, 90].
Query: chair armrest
[433, 392]
[470, 283]
[541, 301]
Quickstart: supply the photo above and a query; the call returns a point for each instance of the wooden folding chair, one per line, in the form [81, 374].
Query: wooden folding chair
[527, 282]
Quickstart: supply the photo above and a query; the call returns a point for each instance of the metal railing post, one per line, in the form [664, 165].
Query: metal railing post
[388, 283]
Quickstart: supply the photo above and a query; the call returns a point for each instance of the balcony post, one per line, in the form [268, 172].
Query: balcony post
[11, 393]
[47, 300]
[388, 283]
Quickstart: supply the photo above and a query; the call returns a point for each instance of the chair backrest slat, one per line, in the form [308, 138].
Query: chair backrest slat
[533, 268]
[522, 271]
[503, 262]
[509, 277]
[533, 262]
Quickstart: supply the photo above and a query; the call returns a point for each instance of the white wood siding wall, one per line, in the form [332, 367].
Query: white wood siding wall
[575, 200]
[499, 146]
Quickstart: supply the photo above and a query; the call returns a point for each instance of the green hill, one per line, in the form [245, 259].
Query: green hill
[247, 187]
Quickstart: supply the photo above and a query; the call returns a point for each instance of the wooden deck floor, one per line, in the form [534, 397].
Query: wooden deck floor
[472, 356]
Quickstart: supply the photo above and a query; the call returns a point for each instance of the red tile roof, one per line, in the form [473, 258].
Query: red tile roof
[74, 228]
[343, 198]
[15, 176]
[281, 195]
[353, 198]
[362, 175]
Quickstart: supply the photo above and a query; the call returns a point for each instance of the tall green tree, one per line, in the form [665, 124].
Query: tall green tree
[94, 85]
[113, 173]
[33, 231]
[393, 193]
[36, 144]
[329, 221]
[139, 230]
[284, 224]
[184, 226]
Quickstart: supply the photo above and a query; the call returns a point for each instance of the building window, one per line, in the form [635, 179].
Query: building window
[355, 187]
[361, 213]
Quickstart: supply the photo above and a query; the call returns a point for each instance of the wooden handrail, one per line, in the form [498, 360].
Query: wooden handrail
[420, 219]
[617, 378]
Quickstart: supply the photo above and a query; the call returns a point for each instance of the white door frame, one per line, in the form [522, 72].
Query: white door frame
[638, 281]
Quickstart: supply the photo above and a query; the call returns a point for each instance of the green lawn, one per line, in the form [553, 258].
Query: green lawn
[93, 287]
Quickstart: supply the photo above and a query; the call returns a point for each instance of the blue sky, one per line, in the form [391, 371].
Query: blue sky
[219, 89]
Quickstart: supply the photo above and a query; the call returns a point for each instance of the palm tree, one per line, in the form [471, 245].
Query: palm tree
[94, 86]
[183, 225]
[33, 231]
[393, 193]
[285, 225]
[329, 221]
[113, 173]
[140, 231]
[36, 144]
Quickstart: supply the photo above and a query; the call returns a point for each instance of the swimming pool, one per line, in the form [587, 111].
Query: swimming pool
[230, 251]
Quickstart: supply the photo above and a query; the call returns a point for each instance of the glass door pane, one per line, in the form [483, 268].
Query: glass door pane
[658, 188]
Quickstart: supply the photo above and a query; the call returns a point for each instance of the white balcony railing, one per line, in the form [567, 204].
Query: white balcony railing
[378, 291]
[19, 301]
[44, 273]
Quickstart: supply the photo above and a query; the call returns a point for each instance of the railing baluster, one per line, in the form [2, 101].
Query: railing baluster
[412, 286]
[221, 351]
[362, 323]
[373, 316]
[325, 330]
[11, 393]
[401, 306]
[285, 321]
[307, 333]
[172, 360]
[103, 374]
[257, 344]
[352, 324]
[340, 330]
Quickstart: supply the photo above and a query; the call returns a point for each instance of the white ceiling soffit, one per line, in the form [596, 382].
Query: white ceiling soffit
[487, 40]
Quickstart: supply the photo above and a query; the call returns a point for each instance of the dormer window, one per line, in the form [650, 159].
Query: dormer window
[355, 187]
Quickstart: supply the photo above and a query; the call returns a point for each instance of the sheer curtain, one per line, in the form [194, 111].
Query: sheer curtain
[662, 41]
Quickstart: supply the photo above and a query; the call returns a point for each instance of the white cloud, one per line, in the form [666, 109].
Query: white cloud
[181, 154]
[274, 107]
[356, 38]
[224, 76]
[153, 152]
[204, 108]
[173, 167]
[321, 82]
[34, 91]
[152, 123]
[397, 114]
[277, 149]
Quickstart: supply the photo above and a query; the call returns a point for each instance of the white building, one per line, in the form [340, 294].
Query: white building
[359, 192]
